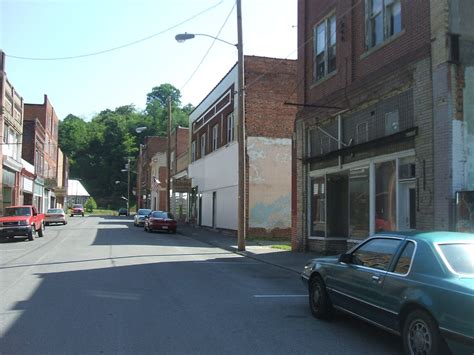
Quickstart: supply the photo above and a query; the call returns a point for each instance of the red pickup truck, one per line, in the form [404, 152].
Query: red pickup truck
[21, 221]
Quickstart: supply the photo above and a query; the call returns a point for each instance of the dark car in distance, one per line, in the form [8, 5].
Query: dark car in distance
[160, 221]
[123, 212]
[419, 285]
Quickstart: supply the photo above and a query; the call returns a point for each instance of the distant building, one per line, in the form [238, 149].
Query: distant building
[76, 193]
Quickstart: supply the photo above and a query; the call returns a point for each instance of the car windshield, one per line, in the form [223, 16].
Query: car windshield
[144, 212]
[76, 206]
[55, 210]
[18, 211]
[159, 214]
[459, 257]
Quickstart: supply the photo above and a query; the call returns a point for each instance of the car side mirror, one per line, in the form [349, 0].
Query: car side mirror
[345, 258]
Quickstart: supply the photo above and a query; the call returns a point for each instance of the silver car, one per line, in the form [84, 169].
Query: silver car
[55, 215]
[139, 218]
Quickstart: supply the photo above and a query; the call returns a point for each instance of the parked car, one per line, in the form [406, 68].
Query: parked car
[123, 212]
[160, 221]
[22, 221]
[139, 218]
[55, 215]
[418, 285]
[77, 209]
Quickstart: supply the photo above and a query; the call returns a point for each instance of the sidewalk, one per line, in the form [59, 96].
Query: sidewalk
[288, 260]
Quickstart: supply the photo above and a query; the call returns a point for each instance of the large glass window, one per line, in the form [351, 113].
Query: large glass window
[359, 202]
[325, 47]
[318, 207]
[230, 128]
[384, 19]
[385, 196]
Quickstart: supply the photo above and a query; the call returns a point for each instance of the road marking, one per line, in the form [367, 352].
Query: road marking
[278, 296]
[114, 295]
[226, 262]
[12, 249]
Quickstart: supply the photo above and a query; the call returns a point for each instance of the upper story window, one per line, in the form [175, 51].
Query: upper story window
[203, 145]
[324, 47]
[230, 128]
[193, 151]
[215, 137]
[384, 19]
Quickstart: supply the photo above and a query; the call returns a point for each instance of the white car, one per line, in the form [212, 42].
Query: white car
[139, 218]
[55, 215]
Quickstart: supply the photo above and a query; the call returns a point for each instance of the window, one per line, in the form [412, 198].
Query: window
[376, 253]
[404, 261]
[325, 48]
[193, 151]
[383, 20]
[385, 196]
[215, 137]
[392, 124]
[203, 145]
[318, 207]
[459, 257]
[230, 128]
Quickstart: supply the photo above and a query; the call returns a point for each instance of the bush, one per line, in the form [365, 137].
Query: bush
[90, 204]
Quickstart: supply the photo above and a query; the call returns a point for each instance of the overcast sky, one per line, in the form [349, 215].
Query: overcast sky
[87, 85]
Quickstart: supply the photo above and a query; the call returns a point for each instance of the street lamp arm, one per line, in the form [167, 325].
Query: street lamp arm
[182, 37]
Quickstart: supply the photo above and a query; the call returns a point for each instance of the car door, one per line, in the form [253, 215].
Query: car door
[357, 286]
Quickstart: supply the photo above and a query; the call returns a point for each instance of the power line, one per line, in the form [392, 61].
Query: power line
[209, 49]
[123, 45]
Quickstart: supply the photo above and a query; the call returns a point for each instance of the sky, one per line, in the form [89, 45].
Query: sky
[86, 85]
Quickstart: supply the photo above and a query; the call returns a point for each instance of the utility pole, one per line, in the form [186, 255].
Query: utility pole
[168, 159]
[128, 186]
[242, 228]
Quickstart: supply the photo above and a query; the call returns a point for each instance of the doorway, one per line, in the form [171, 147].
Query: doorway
[337, 214]
[214, 210]
[407, 205]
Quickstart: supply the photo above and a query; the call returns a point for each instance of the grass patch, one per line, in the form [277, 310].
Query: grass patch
[286, 247]
[103, 212]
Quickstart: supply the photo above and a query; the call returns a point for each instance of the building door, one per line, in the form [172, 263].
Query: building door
[200, 210]
[214, 209]
[337, 205]
[407, 205]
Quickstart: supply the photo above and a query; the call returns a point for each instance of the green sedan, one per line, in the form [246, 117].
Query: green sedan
[418, 285]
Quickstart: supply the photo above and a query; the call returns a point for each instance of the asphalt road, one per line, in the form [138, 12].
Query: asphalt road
[103, 286]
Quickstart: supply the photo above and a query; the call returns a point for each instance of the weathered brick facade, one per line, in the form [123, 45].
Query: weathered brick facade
[389, 102]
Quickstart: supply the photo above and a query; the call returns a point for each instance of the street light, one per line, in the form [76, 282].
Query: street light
[242, 228]
[127, 169]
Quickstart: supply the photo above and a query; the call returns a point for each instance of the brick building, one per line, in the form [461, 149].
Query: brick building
[49, 120]
[180, 184]
[269, 83]
[151, 165]
[379, 118]
[11, 132]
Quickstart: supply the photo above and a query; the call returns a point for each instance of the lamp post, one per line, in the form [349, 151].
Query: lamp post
[127, 169]
[139, 130]
[242, 220]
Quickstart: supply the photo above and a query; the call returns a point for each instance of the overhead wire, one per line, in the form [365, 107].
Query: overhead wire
[123, 45]
[209, 49]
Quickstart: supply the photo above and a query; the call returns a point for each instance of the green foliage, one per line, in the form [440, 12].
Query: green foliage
[99, 149]
[90, 204]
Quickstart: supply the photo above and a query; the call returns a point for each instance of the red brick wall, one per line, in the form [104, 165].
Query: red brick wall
[269, 83]
[354, 62]
[183, 141]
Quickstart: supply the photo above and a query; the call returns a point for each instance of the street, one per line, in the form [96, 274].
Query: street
[99, 285]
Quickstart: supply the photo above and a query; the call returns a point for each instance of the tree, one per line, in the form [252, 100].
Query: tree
[161, 93]
[90, 204]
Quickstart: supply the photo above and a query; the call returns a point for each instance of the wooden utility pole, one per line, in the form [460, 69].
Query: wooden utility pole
[168, 159]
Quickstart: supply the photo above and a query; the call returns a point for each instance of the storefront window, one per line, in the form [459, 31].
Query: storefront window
[318, 207]
[359, 202]
[385, 196]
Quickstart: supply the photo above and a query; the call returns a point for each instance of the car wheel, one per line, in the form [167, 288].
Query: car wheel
[41, 231]
[32, 234]
[319, 301]
[46, 224]
[64, 223]
[421, 334]
[82, 214]
[72, 215]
